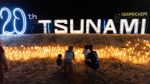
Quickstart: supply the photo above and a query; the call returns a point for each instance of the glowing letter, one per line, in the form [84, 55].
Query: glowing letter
[8, 19]
[143, 26]
[32, 16]
[14, 21]
[97, 29]
[24, 20]
[44, 24]
[128, 29]
[77, 31]
[61, 26]
[110, 27]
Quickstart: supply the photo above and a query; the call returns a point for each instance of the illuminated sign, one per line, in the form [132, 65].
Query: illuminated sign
[110, 26]
[134, 14]
[17, 17]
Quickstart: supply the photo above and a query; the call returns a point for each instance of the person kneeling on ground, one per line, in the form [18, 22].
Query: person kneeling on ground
[92, 60]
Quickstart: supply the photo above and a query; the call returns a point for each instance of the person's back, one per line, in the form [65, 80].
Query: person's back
[93, 58]
[85, 53]
[59, 61]
[68, 57]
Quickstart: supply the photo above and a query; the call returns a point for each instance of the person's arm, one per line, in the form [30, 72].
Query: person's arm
[73, 56]
[96, 53]
[64, 54]
[88, 57]
[4, 61]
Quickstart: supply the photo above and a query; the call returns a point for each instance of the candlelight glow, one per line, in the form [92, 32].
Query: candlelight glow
[130, 52]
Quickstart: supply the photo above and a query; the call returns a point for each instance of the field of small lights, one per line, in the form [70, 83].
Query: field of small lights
[124, 58]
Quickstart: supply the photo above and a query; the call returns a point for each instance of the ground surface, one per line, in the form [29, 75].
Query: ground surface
[43, 70]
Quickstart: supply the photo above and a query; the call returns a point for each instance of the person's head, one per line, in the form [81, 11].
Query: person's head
[86, 47]
[70, 48]
[90, 47]
[59, 55]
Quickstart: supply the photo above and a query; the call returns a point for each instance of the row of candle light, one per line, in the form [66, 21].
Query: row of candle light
[129, 53]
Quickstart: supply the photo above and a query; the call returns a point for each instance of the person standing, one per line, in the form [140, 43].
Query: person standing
[3, 63]
[85, 53]
[69, 56]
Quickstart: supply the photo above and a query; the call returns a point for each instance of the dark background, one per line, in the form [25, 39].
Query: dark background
[73, 9]
[47, 9]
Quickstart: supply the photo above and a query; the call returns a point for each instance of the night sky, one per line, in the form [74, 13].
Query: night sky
[77, 9]
[47, 9]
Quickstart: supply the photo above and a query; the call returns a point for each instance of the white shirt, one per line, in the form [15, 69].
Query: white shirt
[85, 52]
[68, 56]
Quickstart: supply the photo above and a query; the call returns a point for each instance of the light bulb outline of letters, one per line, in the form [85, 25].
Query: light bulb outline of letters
[7, 20]
[14, 21]
[24, 20]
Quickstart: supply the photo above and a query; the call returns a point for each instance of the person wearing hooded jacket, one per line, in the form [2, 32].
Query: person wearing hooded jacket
[92, 59]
